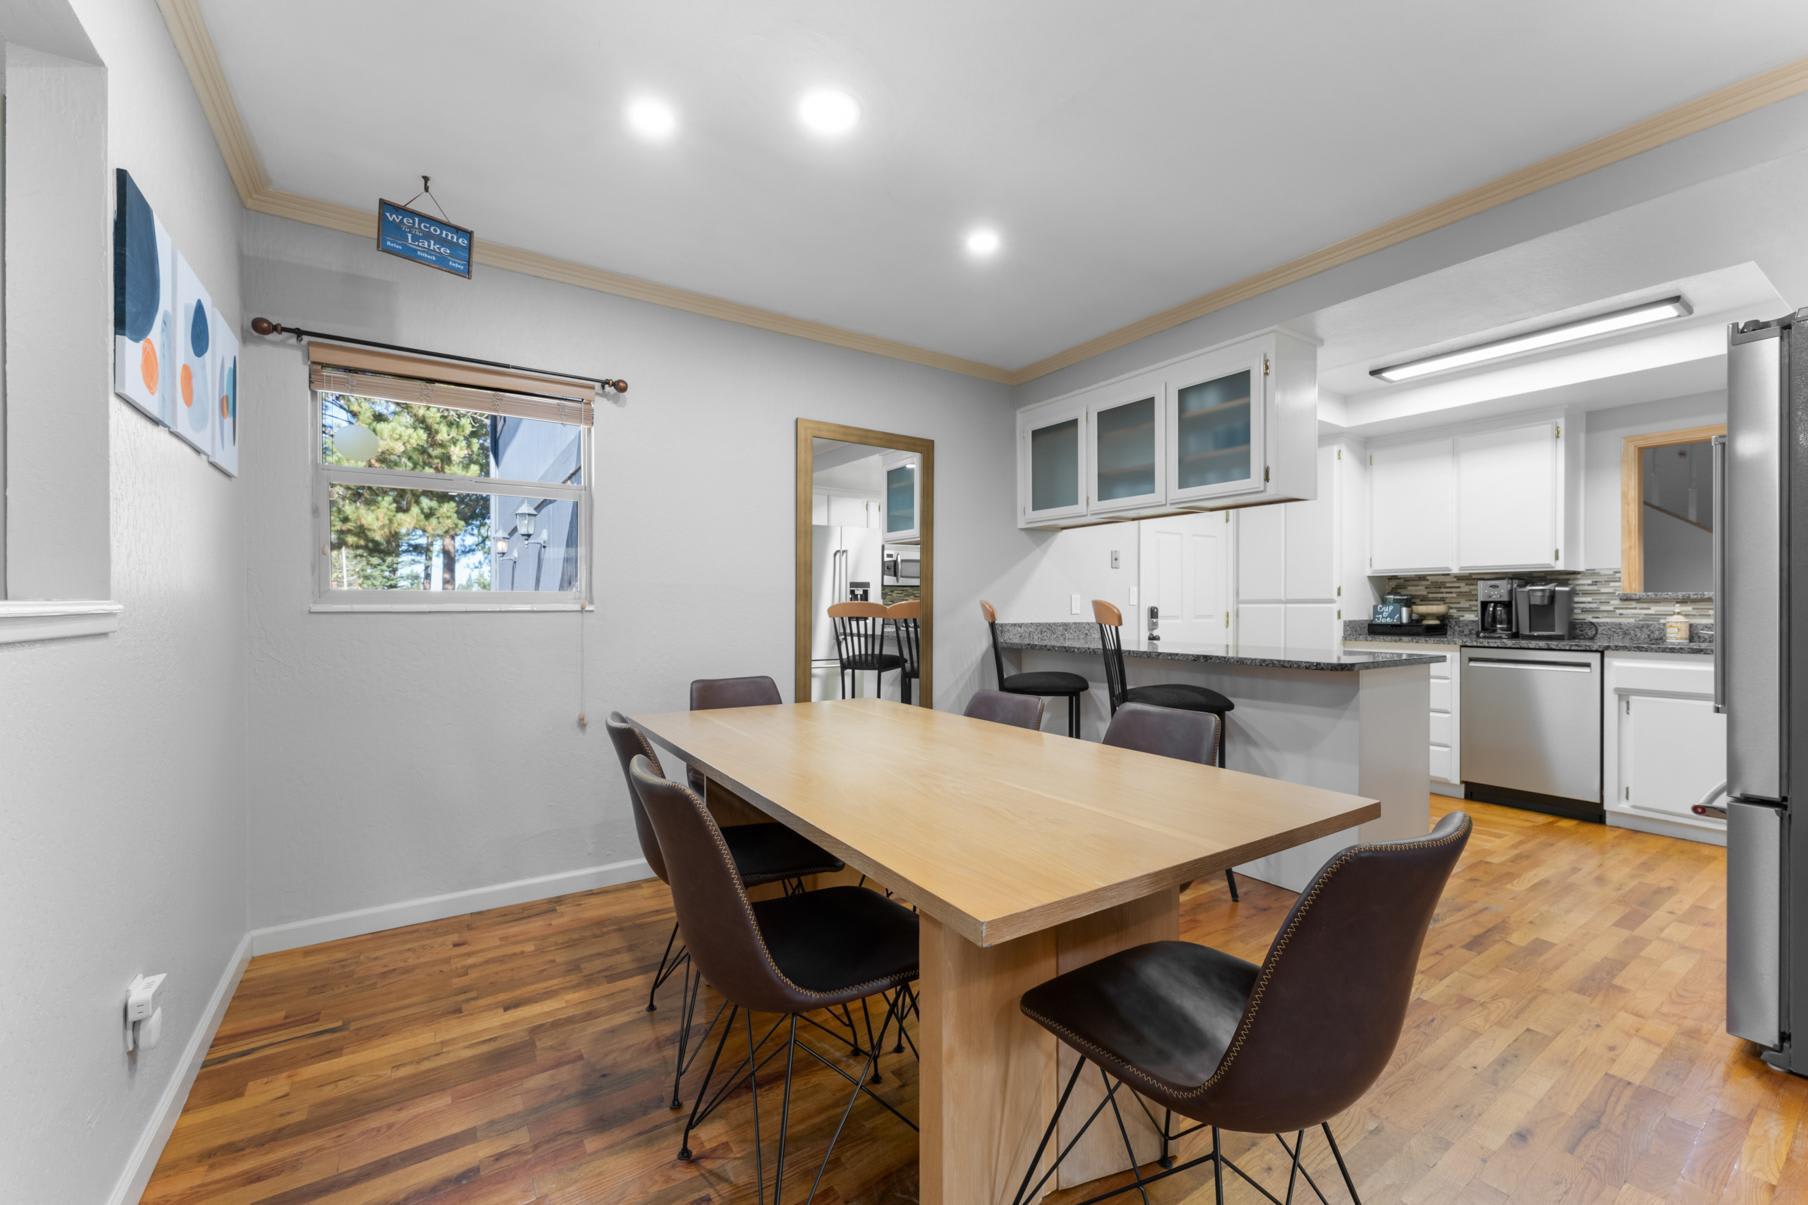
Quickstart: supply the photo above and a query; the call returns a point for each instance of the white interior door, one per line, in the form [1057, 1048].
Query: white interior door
[1184, 569]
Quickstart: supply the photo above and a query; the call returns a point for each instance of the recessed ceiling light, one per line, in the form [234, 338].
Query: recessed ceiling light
[828, 111]
[982, 242]
[652, 119]
[1550, 336]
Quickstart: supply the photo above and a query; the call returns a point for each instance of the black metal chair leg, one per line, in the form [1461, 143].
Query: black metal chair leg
[1341, 1166]
[684, 1143]
[1036, 1159]
[1299, 1144]
[784, 1115]
[659, 975]
[753, 1082]
[1218, 1165]
[687, 1010]
[1124, 1132]
[872, 1043]
[1167, 1127]
[1230, 876]
[1073, 716]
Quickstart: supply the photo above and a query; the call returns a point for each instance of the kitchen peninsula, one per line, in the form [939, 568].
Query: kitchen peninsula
[1355, 722]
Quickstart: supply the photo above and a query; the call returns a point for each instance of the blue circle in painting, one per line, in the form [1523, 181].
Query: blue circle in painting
[198, 337]
[139, 283]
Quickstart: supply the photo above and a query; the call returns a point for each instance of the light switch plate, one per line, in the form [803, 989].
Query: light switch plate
[1076, 604]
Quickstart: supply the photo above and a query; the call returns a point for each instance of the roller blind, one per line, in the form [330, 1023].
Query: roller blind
[366, 372]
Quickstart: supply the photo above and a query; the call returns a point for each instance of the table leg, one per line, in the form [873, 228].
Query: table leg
[988, 1072]
[1101, 1152]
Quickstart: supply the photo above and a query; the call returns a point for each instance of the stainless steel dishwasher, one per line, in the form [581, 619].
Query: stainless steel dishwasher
[1532, 729]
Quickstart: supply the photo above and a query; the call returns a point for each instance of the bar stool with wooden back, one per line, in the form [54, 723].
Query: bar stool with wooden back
[860, 645]
[1050, 684]
[1180, 695]
[905, 619]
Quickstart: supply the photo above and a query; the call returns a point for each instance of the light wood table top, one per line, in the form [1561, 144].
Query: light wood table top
[995, 831]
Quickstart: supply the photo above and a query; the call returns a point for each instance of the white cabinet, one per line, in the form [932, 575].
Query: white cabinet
[1126, 441]
[1412, 511]
[1291, 556]
[1445, 753]
[1051, 463]
[903, 498]
[1510, 498]
[1235, 426]
[1507, 497]
[1663, 746]
[836, 508]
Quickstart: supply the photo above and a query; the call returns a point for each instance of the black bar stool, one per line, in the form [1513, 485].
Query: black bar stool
[1181, 695]
[1287, 1045]
[1050, 684]
[860, 645]
[905, 619]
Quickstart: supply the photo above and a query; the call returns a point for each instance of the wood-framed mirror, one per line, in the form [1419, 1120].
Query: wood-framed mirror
[1667, 511]
[865, 535]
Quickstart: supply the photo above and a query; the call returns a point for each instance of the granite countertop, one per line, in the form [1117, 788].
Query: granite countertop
[1084, 638]
[1600, 636]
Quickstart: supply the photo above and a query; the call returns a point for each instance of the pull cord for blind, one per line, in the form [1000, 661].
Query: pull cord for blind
[264, 326]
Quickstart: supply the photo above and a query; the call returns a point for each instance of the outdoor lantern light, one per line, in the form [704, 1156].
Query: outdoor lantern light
[355, 441]
[502, 545]
[524, 519]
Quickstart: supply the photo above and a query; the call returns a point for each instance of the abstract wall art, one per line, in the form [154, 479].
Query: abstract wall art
[144, 304]
[194, 360]
[225, 395]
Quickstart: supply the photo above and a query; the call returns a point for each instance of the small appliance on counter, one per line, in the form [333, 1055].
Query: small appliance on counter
[1495, 595]
[1541, 610]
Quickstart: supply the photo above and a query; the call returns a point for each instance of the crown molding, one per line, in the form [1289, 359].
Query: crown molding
[1690, 117]
[195, 45]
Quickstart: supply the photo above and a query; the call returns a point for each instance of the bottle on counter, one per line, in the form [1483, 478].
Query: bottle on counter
[1676, 628]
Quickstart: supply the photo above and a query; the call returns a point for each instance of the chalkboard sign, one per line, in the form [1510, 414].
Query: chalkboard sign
[423, 238]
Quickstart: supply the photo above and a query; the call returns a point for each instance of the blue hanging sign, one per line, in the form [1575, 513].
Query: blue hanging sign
[423, 238]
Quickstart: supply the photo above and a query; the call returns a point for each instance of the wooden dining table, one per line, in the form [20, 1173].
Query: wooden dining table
[1027, 854]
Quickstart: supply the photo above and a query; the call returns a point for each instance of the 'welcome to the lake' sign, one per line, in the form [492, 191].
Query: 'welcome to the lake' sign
[423, 238]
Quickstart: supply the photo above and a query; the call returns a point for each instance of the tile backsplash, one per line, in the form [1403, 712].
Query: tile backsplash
[1597, 594]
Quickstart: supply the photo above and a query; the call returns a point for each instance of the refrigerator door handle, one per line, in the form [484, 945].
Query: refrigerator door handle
[1718, 444]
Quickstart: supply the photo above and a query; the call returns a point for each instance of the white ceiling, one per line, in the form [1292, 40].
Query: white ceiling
[1132, 157]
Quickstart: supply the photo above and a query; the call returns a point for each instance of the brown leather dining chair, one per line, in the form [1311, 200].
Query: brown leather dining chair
[1165, 732]
[1048, 683]
[791, 955]
[1284, 1046]
[1019, 711]
[1181, 695]
[762, 853]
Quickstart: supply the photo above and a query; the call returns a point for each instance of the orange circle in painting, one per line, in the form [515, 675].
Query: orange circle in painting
[147, 365]
[222, 407]
[188, 386]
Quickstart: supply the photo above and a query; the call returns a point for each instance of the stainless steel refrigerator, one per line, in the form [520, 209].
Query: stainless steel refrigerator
[1761, 674]
[842, 556]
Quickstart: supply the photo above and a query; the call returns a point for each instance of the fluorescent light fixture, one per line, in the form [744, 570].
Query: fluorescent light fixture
[828, 111]
[652, 119]
[1643, 314]
[982, 242]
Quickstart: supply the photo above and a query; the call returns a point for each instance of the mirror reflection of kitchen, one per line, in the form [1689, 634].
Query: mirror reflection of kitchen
[863, 525]
[1676, 484]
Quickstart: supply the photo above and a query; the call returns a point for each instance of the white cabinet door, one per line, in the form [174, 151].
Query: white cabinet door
[1051, 462]
[1128, 429]
[1672, 752]
[1262, 625]
[1311, 537]
[1310, 626]
[847, 511]
[1412, 520]
[1508, 486]
[1216, 416]
[1183, 569]
[1261, 552]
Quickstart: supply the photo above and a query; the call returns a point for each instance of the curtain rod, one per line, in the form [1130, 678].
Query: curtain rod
[263, 326]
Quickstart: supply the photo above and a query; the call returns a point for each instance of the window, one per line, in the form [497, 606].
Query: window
[463, 493]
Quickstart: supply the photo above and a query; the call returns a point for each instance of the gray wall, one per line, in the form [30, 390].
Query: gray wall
[122, 804]
[405, 756]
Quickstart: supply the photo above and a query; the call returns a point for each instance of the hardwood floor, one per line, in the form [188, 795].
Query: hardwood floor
[1564, 1044]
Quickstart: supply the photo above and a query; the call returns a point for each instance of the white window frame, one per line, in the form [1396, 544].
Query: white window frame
[325, 476]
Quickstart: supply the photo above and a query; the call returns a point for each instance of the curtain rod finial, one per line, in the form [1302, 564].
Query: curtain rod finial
[618, 386]
[263, 326]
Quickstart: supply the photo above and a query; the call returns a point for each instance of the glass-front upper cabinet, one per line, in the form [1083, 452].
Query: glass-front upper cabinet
[903, 497]
[1125, 423]
[1051, 462]
[1215, 424]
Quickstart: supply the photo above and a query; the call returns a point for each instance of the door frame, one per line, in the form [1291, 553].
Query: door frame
[808, 431]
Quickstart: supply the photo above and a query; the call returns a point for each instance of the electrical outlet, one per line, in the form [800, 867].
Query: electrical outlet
[1114, 558]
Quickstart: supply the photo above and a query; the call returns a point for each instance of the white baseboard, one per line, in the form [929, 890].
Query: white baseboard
[1704, 832]
[162, 1122]
[289, 936]
[1453, 789]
